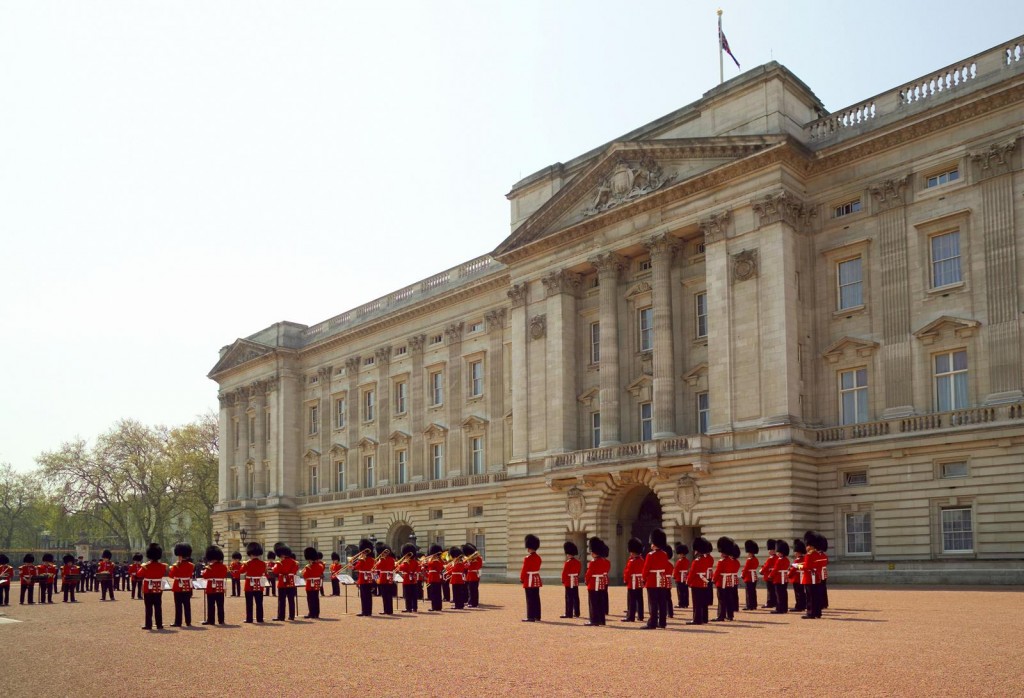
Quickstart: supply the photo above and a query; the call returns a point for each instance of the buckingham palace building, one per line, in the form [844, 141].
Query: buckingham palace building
[750, 317]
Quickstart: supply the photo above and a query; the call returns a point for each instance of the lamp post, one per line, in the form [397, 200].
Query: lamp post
[216, 538]
[242, 535]
[412, 541]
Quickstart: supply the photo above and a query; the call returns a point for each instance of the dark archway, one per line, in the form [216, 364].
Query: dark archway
[399, 536]
[648, 518]
[635, 512]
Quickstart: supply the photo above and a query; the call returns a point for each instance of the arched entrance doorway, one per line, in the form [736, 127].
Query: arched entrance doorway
[398, 536]
[634, 513]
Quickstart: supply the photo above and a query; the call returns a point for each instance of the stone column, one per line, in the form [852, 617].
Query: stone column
[270, 444]
[417, 413]
[382, 359]
[609, 267]
[324, 374]
[291, 432]
[242, 452]
[354, 408]
[520, 372]
[259, 400]
[715, 229]
[495, 445]
[663, 249]
[226, 455]
[454, 399]
[560, 289]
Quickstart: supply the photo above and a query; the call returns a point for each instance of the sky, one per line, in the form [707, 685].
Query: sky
[177, 175]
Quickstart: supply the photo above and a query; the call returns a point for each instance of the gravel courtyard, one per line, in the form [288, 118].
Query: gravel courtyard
[872, 642]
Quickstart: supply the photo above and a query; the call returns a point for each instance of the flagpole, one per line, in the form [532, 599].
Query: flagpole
[721, 64]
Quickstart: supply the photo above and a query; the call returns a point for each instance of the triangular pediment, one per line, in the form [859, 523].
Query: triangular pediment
[435, 431]
[473, 422]
[626, 174]
[242, 351]
[961, 327]
[338, 450]
[398, 437]
[693, 376]
[862, 347]
[367, 444]
[588, 396]
[641, 388]
[311, 455]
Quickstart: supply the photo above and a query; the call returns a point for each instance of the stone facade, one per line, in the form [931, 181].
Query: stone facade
[748, 318]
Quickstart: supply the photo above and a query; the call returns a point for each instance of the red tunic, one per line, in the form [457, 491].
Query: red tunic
[313, 574]
[286, 569]
[473, 568]
[529, 576]
[750, 569]
[766, 568]
[697, 577]
[215, 574]
[235, 568]
[104, 568]
[633, 572]
[27, 572]
[813, 563]
[255, 570]
[726, 572]
[597, 574]
[6, 574]
[410, 570]
[152, 574]
[181, 573]
[681, 568]
[457, 571]
[47, 571]
[794, 569]
[70, 572]
[335, 569]
[434, 569]
[657, 568]
[364, 568]
[571, 572]
[780, 570]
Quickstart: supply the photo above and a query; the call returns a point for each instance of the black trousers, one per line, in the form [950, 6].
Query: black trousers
[434, 594]
[183, 607]
[313, 602]
[30, 590]
[254, 598]
[533, 603]
[107, 586]
[286, 595]
[335, 587]
[46, 592]
[69, 590]
[387, 595]
[771, 602]
[657, 605]
[824, 594]
[597, 602]
[751, 588]
[410, 592]
[473, 589]
[459, 595]
[446, 590]
[701, 601]
[815, 599]
[634, 604]
[572, 602]
[273, 584]
[215, 604]
[136, 588]
[236, 586]
[365, 600]
[154, 610]
[682, 595]
[800, 597]
[781, 598]
[5, 594]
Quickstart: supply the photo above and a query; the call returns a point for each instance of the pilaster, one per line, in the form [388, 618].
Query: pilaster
[663, 249]
[495, 320]
[454, 399]
[560, 289]
[609, 267]
[353, 466]
[417, 413]
[520, 369]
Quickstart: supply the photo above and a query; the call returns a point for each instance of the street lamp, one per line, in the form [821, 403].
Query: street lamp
[242, 534]
[216, 538]
[412, 541]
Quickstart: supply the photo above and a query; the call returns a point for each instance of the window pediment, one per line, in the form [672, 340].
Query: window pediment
[399, 437]
[474, 423]
[367, 444]
[435, 431]
[693, 376]
[311, 455]
[338, 450]
[641, 388]
[961, 328]
[862, 347]
[588, 397]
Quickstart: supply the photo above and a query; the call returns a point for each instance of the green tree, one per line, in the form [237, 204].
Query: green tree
[22, 507]
[194, 455]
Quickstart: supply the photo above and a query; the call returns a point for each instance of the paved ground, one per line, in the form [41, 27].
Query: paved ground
[873, 642]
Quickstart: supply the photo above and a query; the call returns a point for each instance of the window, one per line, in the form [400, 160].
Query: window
[401, 397]
[701, 304]
[371, 480]
[595, 429]
[853, 396]
[369, 361]
[646, 430]
[480, 542]
[339, 474]
[314, 420]
[703, 413]
[476, 326]
[401, 351]
[476, 378]
[402, 466]
[252, 430]
[699, 248]
[644, 265]
[476, 511]
[367, 519]
[314, 479]
[951, 380]
[436, 338]
[953, 470]
[266, 429]
[945, 251]
[855, 478]
[437, 388]
[369, 405]
[957, 531]
[940, 178]
[435, 514]
[476, 451]
[439, 540]
[846, 209]
[645, 320]
[437, 461]
[238, 432]
[340, 521]
[339, 413]
[858, 534]
[595, 342]
[312, 523]
[850, 282]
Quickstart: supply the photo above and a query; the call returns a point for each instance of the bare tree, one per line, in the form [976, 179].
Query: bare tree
[21, 500]
[193, 452]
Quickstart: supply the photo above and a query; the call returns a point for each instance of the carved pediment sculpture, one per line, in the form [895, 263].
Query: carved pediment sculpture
[687, 493]
[242, 351]
[575, 502]
[785, 207]
[435, 431]
[961, 327]
[627, 182]
[863, 348]
[744, 265]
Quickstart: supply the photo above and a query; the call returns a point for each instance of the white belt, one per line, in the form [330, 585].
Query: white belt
[574, 580]
[729, 579]
[634, 585]
[600, 582]
[530, 577]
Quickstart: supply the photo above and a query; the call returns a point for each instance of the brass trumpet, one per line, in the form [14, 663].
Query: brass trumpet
[404, 558]
[355, 558]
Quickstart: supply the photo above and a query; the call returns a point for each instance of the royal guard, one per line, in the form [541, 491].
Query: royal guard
[285, 570]
[726, 578]
[657, 571]
[665, 584]
[6, 578]
[571, 570]
[384, 568]
[766, 574]
[151, 574]
[633, 578]
[271, 587]
[235, 570]
[313, 575]
[215, 573]
[679, 571]
[335, 572]
[47, 575]
[409, 568]
[133, 581]
[699, 580]
[320, 559]
[27, 574]
[255, 571]
[795, 570]
[181, 584]
[457, 577]
[596, 577]
[529, 576]
[69, 574]
[362, 565]
[812, 574]
[105, 576]
[750, 574]
[780, 576]
[435, 569]
[474, 563]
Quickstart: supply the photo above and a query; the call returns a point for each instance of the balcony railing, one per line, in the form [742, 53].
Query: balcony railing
[933, 421]
[620, 453]
[404, 488]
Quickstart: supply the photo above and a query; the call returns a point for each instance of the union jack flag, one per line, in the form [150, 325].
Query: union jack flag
[724, 43]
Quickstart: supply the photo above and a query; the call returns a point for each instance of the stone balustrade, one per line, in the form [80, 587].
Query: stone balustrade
[915, 424]
[622, 453]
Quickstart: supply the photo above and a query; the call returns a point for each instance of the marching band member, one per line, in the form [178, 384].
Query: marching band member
[255, 571]
[69, 578]
[151, 573]
[529, 575]
[457, 577]
[105, 575]
[335, 571]
[285, 570]
[385, 569]
[726, 577]
[812, 573]
[657, 570]
[679, 574]
[27, 573]
[597, 582]
[133, 581]
[446, 581]
[6, 578]
[410, 570]
[181, 576]
[320, 559]
[780, 575]
[47, 574]
[313, 574]
[799, 593]
[271, 576]
[766, 574]
[215, 574]
[633, 578]
[823, 549]
[571, 580]
[698, 579]
[750, 574]
[666, 582]
[235, 570]
[474, 563]
[364, 577]
[434, 568]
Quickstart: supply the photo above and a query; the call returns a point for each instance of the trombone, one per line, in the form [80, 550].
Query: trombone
[355, 558]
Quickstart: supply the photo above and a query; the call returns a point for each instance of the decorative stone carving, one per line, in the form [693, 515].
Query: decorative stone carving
[687, 493]
[744, 265]
[626, 183]
[417, 341]
[352, 364]
[538, 326]
[639, 289]
[561, 281]
[575, 502]
[323, 374]
[435, 431]
[994, 160]
[662, 245]
[242, 394]
[517, 294]
[608, 265]
[454, 332]
[715, 227]
[889, 192]
[495, 319]
[382, 355]
[257, 388]
[271, 384]
[226, 399]
[399, 437]
[783, 206]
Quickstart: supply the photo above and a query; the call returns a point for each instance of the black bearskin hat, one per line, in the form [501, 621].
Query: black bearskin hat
[309, 553]
[724, 544]
[47, 557]
[236, 555]
[659, 539]
[435, 549]
[570, 548]
[735, 550]
[154, 552]
[770, 544]
[468, 549]
[214, 554]
[634, 545]
[319, 555]
[819, 541]
[106, 555]
[29, 558]
[379, 547]
[408, 549]
[181, 550]
[137, 557]
[4, 560]
[799, 547]
[532, 542]
[287, 552]
[67, 558]
[681, 549]
[270, 555]
[455, 551]
[365, 544]
[782, 547]
[751, 547]
[668, 551]
[336, 557]
[702, 545]
[598, 547]
[278, 547]
[254, 548]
